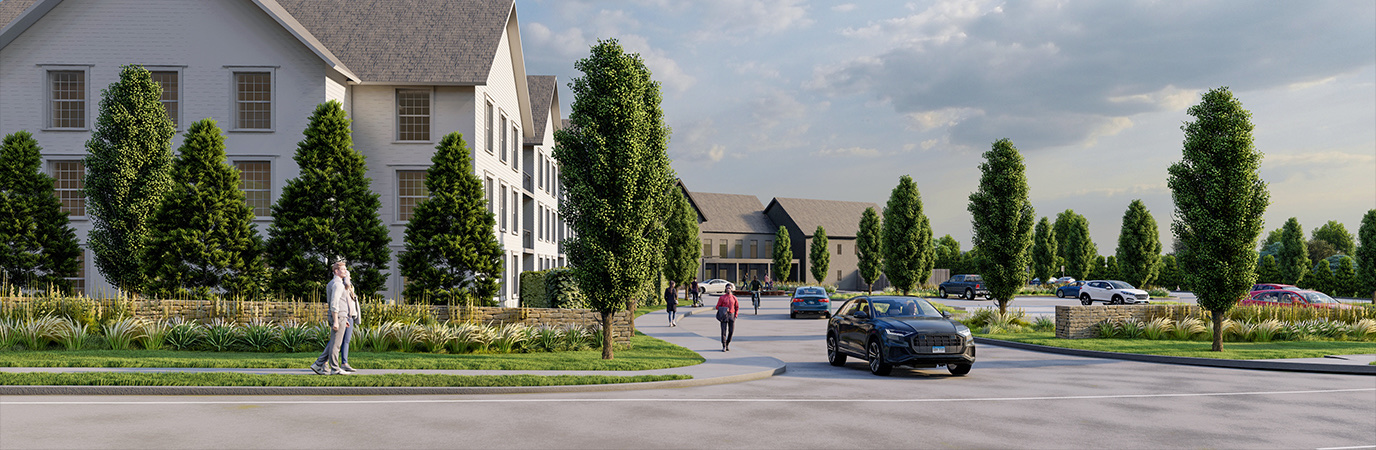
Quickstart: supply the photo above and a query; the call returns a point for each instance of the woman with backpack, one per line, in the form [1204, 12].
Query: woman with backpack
[727, 308]
[671, 303]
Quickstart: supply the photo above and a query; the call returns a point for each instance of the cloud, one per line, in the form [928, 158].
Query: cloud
[573, 43]
[844, 7]
[697, 142]
[848, 152]
[735, 18]
[1332, 158]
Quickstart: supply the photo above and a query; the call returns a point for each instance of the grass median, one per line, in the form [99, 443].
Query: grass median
[240, 379]
[1198, 349]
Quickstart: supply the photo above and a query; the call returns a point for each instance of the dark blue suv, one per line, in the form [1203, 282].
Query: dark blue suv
[967, 286]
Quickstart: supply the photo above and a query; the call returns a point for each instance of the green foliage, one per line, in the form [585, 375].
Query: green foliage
[327, 213]
[1272, 238]
[908, 250]
[819, 255]
[869, 247]
[1075, 248]
[948, 254]
[1336, 234]
[1169, 276]
[38, 247]
[683, 249]
[1366, 255]
[533, 289]
[1111, 269]
[1345, 278]
[1267, 270]
[1319, 278]
[1098, 270]
[1139, 246]
[783, 255]
[203, 240]
[451, 253]
[1320, 249]
[1002, 221]
[561, 290]
[1294, 254]
[128, 170]
[1219, 202]
[1044, 264]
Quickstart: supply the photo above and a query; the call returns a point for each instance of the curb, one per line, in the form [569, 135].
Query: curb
[1190, 361]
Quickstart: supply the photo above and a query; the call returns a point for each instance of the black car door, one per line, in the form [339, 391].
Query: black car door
[850, 336]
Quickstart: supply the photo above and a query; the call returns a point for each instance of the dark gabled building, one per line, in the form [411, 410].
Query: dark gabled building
[841, 220]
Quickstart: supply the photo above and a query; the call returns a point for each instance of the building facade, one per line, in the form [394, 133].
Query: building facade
[407, 72]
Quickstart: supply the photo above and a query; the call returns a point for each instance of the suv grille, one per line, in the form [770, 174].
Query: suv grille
[937, 340]
[1142, 296]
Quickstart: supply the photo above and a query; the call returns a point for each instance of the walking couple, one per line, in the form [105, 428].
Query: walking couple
[342, 318]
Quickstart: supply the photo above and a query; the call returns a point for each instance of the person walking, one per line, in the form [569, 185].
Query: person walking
[727, 309]
[671, 303]
[337, 318]
[693, 291]
[354, 316]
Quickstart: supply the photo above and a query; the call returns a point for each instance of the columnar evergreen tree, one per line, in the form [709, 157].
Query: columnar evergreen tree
[783, 255]
[38, 247]
[683, 250]
[1219, 201]
[202, 240]
[1267, 270]
[1139, 246]
[1272, 237]
[327, 214]
[1077, 250]
[1111, 268]
[1098, 270]
[1365, 255]
[616, 177]
[1169, 277]
[948, 254]
[128, 170]
[907, 233]
[1294, 254]
[1336, 234]
[1002, 221]
[818, 255]
[1320, 249]
[869, 248]
[1319, 278]
[1345, 278]
[451, 253]
[1044, 251]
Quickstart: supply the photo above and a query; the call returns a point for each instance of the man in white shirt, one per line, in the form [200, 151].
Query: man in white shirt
[338, 320]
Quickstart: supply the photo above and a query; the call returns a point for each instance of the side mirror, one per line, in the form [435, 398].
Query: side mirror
[945, 314]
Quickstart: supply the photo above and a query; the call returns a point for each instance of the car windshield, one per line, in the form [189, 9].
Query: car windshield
[903, 307]
[1318, 297]
[972, 278]
[1121, 285]
[810, 291]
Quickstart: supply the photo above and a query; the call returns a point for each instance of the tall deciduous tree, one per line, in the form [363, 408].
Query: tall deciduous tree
[818, 255]
[128, 170]
[1002, 221]
[1077, 250]
[1271, 238]
[948, 254]
[683, 251]
[783, 254]
[38, 247]
[1294, 253]
[1139, 246]
[1336, 234]
[1044, 251]
[869, 247]
[907, 235]
[1366, 255]
[1219, 201]
[451, 253]
[327, 214]
[203, 240]
[616, 176]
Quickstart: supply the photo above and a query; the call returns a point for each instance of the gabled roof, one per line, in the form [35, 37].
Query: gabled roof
[542, 96]
[10, 9]
[840, 219]
[732, 213]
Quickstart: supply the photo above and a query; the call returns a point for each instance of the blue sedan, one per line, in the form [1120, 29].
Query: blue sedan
[1071, 290]
[810, 299]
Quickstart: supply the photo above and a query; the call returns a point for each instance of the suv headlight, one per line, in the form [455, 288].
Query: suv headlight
[895, 333]
[964, 332]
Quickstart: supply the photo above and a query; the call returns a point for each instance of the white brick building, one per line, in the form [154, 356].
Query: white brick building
[407, 71]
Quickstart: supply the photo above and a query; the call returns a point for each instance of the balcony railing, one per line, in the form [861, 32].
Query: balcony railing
[529, 239]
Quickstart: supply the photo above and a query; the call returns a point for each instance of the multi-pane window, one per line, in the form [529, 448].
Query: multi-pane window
[515, 210]
[487, 184]
[706, 248]
[754, 248]
[540, 170]
[413, 115]
[503, 210]
[504, 142]
[255, 179]
[67, 93]
[722, 247]
[489, 127]
[410, 192]
[838, 249]
[768, 249]
[69, 177]
[171, 98]
[739, 245]
[515, 148]
[253, 100]
[79, 281]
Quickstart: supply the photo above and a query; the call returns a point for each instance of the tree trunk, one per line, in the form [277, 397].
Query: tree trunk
[1218, 331]
[1003, 306]
[607, 334]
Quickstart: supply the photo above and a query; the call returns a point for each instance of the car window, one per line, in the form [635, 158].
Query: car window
[904, 308]
[957, 278]
[1121, 285]
[972, 278]
[861, 306]
[850, 307]
[1318, 297]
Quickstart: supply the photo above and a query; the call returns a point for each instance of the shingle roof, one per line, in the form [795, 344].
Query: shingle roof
[10, 9]
[407, 41]
[732, 213]
[837, 217]
[541, 95]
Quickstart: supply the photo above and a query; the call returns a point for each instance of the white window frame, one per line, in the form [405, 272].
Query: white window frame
[234, 72]
[502, 129]
[515, 211]
[48, 167]
[429, 116]
[515, 148]
[502, 211]
[272, 172]
[181, 93]
[489, 187]
[46, 71]
[490, 119]
[418, 198]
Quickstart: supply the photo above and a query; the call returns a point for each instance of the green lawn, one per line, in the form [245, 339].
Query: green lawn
[239, 379]
[1199, 349]
[646, 353]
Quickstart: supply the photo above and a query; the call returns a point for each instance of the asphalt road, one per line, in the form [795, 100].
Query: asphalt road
[1012, 399]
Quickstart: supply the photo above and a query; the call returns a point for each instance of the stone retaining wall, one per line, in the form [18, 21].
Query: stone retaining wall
[1077, 322]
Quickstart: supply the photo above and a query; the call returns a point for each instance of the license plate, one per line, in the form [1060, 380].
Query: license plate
[938, 349]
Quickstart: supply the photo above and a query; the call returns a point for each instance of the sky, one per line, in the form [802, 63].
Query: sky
[837, 100]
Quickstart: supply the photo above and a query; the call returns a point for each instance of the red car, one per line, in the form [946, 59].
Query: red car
[1289, 297]
[1270, 286]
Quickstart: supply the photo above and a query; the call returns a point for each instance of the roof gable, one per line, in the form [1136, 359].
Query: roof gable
[732, 213]
[840, 219]
[544, 105]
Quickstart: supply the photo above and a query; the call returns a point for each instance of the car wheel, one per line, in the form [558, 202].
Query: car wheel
[834, 356]
[1060, 293]
[877, 364]
[969, 294]
[959, 369]
[1085, 301]
[792, 315]
[1117, 300]
[941, 292]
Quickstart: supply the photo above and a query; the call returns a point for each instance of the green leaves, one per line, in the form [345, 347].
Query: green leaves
[819, 255]
[683, 249]
[783, 254]
[1044, 252]
[38, 246]
[869, 247]
[1139, 246]
[1076, 249]
[1365, 255]
[1294, 253]
[907, 234]
[1002, 221]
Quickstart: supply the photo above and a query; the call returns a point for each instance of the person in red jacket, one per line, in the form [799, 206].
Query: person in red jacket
[727, 308]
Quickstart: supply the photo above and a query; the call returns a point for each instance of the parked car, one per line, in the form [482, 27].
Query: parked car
[967, 286]
[1271, 286]
[1064, 280]
[1071, 290]
[1294, 297]
[810, 299]
[1035, 282]
[716, 286]
[1113, 292]
[891, 331]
